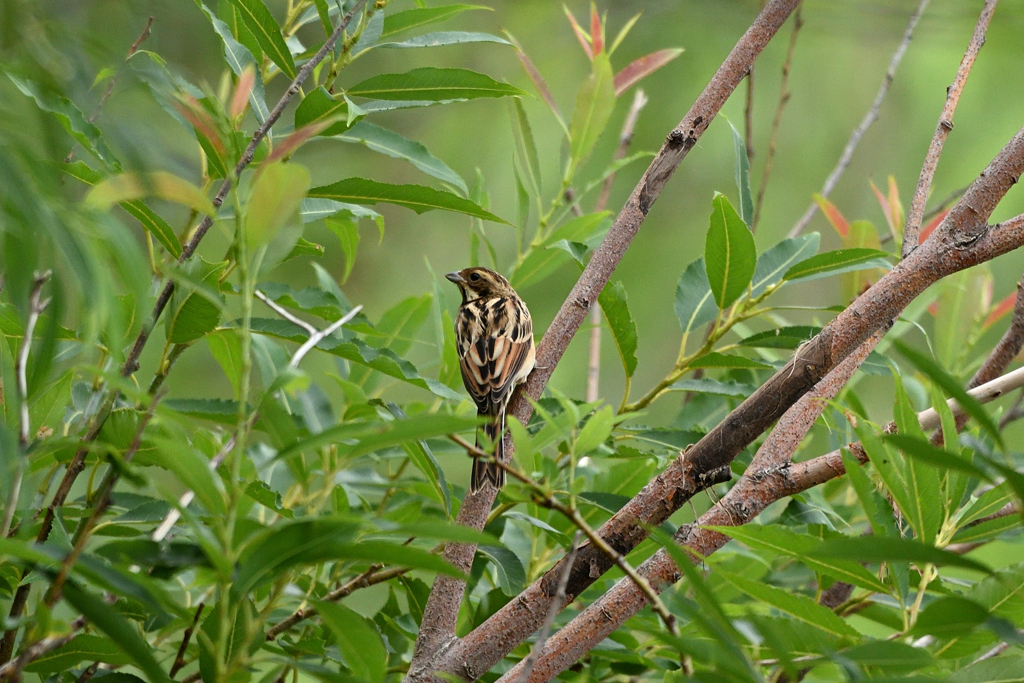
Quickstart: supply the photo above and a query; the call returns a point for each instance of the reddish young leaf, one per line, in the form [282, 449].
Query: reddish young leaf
[201, 121]
[1001, 309]
[883, 202]
[538, 81]
[241, 97]
[895, 207]
[581, 35]
[596, 31]
[928, 229]
[841, 225]
[642, 67]
[295, 140]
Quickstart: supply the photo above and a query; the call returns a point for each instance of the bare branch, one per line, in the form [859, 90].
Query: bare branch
[545, 629]
[437, 632]
[179, 659]
[989, 391]
[869, 118]
[942, 130]
[284, 313]
[320, 335]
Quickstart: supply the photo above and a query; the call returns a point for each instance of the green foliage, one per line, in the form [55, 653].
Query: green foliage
[262, 492]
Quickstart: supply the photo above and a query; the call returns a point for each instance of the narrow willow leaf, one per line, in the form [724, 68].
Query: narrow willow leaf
[325, 16]
[396, 331]
[862, 235]
[399, 147]
[742, 176]
[594, 104]
[781, 337]
[422, 16]
[952, 388]
[526, 147]
[705, 385]
[319, 105]
[927, 505]
[433, 84]
[264, 27]
[511, 575]
[347, 231]
[82, 647]
[152, 222]
[799, 607]
[713, 359]
[616, 312]
[442, 38]
[117, 628]
[839, 261]
[358, 640]
[193, 312]
[782, 541]
[192, 469]
[416, 197]
[232, 16]
[729, 253]
[240, 58]
[305, 541]
[694, 305]
[895, 549]
[70, 118]
[133, 186]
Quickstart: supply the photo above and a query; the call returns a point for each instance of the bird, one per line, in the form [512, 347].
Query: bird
[494, 337]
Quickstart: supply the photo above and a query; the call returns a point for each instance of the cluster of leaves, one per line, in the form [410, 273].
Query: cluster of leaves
[237, 524]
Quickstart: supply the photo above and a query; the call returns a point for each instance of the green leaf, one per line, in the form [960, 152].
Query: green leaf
[595, 432]
[952, 388]
[861, 235]
[442, 38]
[782, 541]
[422, 16]
[773, 264]
[70, 118]
[325, 16]
[192, 314]
[594, 104]
[276, 196]
[416, 197]
[894, 549]
[268, 498]
[511, 575]
[742, 176]
[398, 147]
[992, 500]
[1001, 669]
[128, 187]
[695, 304]
[799, 607]
[319, 105]
[213, 409]
[543, 260]
[264, 27]
[889, 657]
[887, 464]
[82, 647]
[237, 617]
[526, 148]
[432, 84]
[705, 385]
[922, 450]
[781, 337]
[927, 506]
[240, 57]
[950, 616]
[346, 229]
[713, 359]
[369, 437]
[878, 511]
[151, 221]
[729, 253]
[302, 542]
[358, 640]
[356, 351]
[192, 470]
[397, 330]
[117, 628]
[616, 312]
[838, 261]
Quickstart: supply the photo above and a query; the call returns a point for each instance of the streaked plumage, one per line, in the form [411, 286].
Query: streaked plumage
[494, 334]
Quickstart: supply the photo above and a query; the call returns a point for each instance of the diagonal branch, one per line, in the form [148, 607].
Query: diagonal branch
[914, 219]
[869, 118]
[437, 632]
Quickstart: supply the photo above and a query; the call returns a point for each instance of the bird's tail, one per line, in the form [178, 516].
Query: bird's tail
[486, 471]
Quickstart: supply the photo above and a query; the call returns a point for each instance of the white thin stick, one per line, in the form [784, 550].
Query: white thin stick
[317, 337]
[987, 392]
[284, 313]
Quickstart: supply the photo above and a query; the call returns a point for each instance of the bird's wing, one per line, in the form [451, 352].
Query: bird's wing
[495, 350]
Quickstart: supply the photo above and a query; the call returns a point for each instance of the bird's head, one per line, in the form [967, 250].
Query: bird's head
[480, 283]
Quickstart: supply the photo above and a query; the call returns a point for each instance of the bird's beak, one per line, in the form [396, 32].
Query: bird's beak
[455, 277]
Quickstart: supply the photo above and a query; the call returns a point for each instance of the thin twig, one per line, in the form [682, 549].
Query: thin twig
[987, 392]
[113, 80]
[625, 139]
[942, 129]
[319, 336]
[1013, 413]
[948, 201]
[11, 671]
[869, 118]
[284, 313]
[371, 577]
[553, 610]
[773, 138]
[179, 660]
[748, 115]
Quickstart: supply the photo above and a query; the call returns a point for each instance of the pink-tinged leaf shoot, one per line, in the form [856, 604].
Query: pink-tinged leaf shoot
[643, 67]
[241, 97]
[297, 138]
[883, 202]
[930, 228]
[1001, 309]
[596, 31]
[581, 35]
[841, 225]
[895, 206]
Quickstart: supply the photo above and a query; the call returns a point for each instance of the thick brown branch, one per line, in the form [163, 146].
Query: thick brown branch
[869, 118]
[437, 633]
[942, 130]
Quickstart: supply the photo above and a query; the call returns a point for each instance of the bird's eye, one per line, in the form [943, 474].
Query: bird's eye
[474, 277]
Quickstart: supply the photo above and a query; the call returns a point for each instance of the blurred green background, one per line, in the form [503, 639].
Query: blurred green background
[841, 55]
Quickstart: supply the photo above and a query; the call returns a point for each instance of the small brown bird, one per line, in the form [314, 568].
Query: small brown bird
[494, 333]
